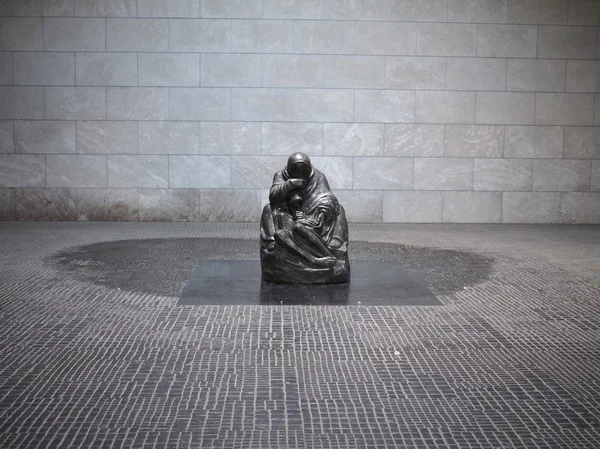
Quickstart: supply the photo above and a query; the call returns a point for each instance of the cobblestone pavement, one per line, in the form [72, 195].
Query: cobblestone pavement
[96, 352]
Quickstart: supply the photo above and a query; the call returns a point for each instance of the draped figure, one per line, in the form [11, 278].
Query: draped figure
[303, 229]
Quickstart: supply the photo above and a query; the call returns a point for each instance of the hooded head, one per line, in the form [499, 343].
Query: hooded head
[299, 166]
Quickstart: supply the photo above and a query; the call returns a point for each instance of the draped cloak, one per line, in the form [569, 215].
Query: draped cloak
[318, 203]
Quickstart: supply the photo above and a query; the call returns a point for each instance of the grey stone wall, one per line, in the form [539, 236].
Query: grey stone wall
[418, 110]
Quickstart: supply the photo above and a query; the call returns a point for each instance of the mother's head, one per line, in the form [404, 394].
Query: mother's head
[299, 166]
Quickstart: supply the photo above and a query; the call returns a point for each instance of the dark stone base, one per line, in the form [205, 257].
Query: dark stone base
[280, 270]
[238, 282]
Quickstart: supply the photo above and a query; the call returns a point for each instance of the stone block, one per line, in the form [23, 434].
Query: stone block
[581, 142]
[22, 34]
[414, 140]
[187, 103]
[538, 12]
[474, 141]
[22, 170]
[7, 136]
[324, 105]
[44, 137]
[445, 107]
[199, 35]
[107, 69]
[361, 206]
[75, 103]
[477, 11]
[107, 204]
[26, 103]
[255, 172]
[507, 41]
[291, 71]
[138, 103]
[502, 174]
[44, 69]
[443, 174]
[544, 75]
[46, 204]
[584, 12]
[567, 42]
[355, 9]
[106, 8]
[75, 170]
[505, 108]
[564, 109]
[257, 104]
[149, 35]
[230, 70]
[242, 138]
[415, 73]
[8, 211]
[412, 207]
[472, 207]
[328, 37]
[338, 170]
[395, 106]
[417, 10]
[353, 139]
[231, 205]
[170, 205]
[293, 9]
[5, 8]
[283, 139]
[596, 176]
[169, 69]
[74, 34]
[261, 36]
[561, 175]
[531, 207]
[583, 76]
[42, 8]
[386, 38]
[6, 68]
[231, 9]
[102, 137]
[169, 138]
[536, 142]
[354, 71]
[446, 39]
[383, 173]
[476, 74]
[169, 8]
[597, 108]
[580, 207]
[200, 171]
[138, 171]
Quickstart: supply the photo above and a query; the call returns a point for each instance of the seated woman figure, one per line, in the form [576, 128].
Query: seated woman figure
[304, 233]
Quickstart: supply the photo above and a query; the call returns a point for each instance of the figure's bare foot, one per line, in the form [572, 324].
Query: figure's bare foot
[338, 268]
[327, 261]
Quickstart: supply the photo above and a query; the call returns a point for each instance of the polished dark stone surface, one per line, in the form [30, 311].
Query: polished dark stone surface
[222, 282]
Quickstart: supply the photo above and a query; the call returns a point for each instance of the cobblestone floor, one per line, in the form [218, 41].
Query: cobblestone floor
[96, 352]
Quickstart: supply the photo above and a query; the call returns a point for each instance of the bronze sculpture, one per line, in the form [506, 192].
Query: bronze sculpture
[303, 229]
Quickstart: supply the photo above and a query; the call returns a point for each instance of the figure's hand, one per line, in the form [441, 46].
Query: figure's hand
[297, 183]
[300, 215]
